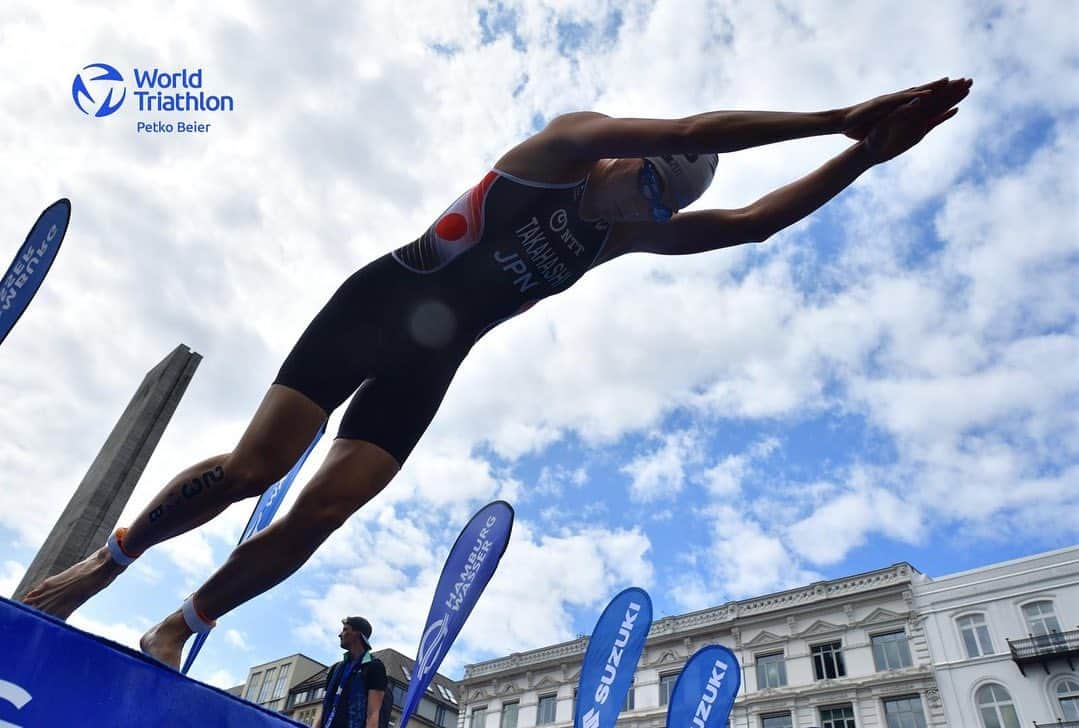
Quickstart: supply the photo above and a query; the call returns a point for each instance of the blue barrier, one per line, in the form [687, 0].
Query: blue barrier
[52, 674]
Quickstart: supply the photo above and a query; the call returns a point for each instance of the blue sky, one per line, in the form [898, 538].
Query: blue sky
[890, 380]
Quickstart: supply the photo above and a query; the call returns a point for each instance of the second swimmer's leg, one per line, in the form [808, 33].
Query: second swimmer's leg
[280, 431]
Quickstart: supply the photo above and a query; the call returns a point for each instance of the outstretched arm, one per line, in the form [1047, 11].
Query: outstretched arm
[589, 135]
[696, 232]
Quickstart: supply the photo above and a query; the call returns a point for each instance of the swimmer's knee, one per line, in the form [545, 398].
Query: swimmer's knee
[319, 517]
[246, 478]
[321, 512]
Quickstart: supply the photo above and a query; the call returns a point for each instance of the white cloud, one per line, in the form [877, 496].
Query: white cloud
[237, 639]
[553, 480]
[223, 679]
[122, 632]
[661, 473]
[845, 521]
[742, 560]
[10, 577]
[724, 480]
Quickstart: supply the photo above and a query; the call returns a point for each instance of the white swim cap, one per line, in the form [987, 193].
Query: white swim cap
[685, 176]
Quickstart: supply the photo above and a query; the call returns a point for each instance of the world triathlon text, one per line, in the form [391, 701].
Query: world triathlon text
[177, 91]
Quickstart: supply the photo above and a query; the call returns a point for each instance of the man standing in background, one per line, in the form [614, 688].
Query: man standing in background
[356, 686]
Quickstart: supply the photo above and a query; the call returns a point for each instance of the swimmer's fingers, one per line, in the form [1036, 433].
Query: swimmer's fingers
[935, 98]
[856, 121]
[931, 86]
[942, 118]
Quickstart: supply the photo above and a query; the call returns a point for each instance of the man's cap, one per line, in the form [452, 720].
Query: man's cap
[360, 625]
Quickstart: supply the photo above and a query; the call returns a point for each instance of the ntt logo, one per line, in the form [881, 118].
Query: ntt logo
[94, 94]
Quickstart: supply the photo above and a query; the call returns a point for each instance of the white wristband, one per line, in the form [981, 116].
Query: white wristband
[194, 620]
[117, 551]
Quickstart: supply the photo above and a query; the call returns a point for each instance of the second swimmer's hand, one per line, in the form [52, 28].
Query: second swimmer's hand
[908, 124]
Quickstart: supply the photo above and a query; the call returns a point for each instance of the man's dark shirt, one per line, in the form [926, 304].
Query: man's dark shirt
[353, 705]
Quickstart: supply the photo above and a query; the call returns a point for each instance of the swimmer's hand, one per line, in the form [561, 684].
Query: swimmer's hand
[907, 125]
[856, 121]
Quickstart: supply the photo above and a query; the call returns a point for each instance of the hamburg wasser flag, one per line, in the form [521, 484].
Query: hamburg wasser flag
[265, 509]
[705, 691]
[470, 565]
[613, 650]
[32, 262]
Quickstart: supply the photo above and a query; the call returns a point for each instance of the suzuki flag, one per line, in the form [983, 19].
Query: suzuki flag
[613, 651]
[470, 565]
[704, 693]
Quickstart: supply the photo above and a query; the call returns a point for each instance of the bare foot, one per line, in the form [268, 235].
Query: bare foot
[165, 642]
[62, 594]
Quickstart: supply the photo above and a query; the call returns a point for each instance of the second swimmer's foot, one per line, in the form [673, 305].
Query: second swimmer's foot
[165, 642]
[62, 594]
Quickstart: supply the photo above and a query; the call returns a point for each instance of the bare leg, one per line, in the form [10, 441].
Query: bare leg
[280, 431]
[352, 474]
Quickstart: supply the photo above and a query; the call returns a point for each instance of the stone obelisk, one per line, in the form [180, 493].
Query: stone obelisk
[92, 512]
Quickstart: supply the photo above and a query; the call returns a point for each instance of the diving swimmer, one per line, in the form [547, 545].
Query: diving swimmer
[583, 191]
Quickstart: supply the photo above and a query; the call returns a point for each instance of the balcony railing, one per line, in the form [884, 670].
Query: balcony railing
[1046, 648]
[1059, 724]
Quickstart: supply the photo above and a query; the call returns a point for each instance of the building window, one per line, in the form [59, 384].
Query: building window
[429, 709]
[837, 716]
[282, 682]
[1042, 622]
[319, 694]
[509, 715]
[975, 635]
[890, 651]
[666, 687]
[780, 720]
[1068, 695]
[267, 685]
[545, 709]
[771, 671]
[448, 718]
[629, 702]
[995, 707]
[398, 691]
[253, 686]
[828, 661]
[905, 712]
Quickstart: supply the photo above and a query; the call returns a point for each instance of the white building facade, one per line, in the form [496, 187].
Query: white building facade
[846, 653]
[1004, 642]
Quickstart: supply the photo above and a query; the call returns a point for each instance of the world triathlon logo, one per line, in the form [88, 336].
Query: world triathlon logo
[94, 89]
[100, 90]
